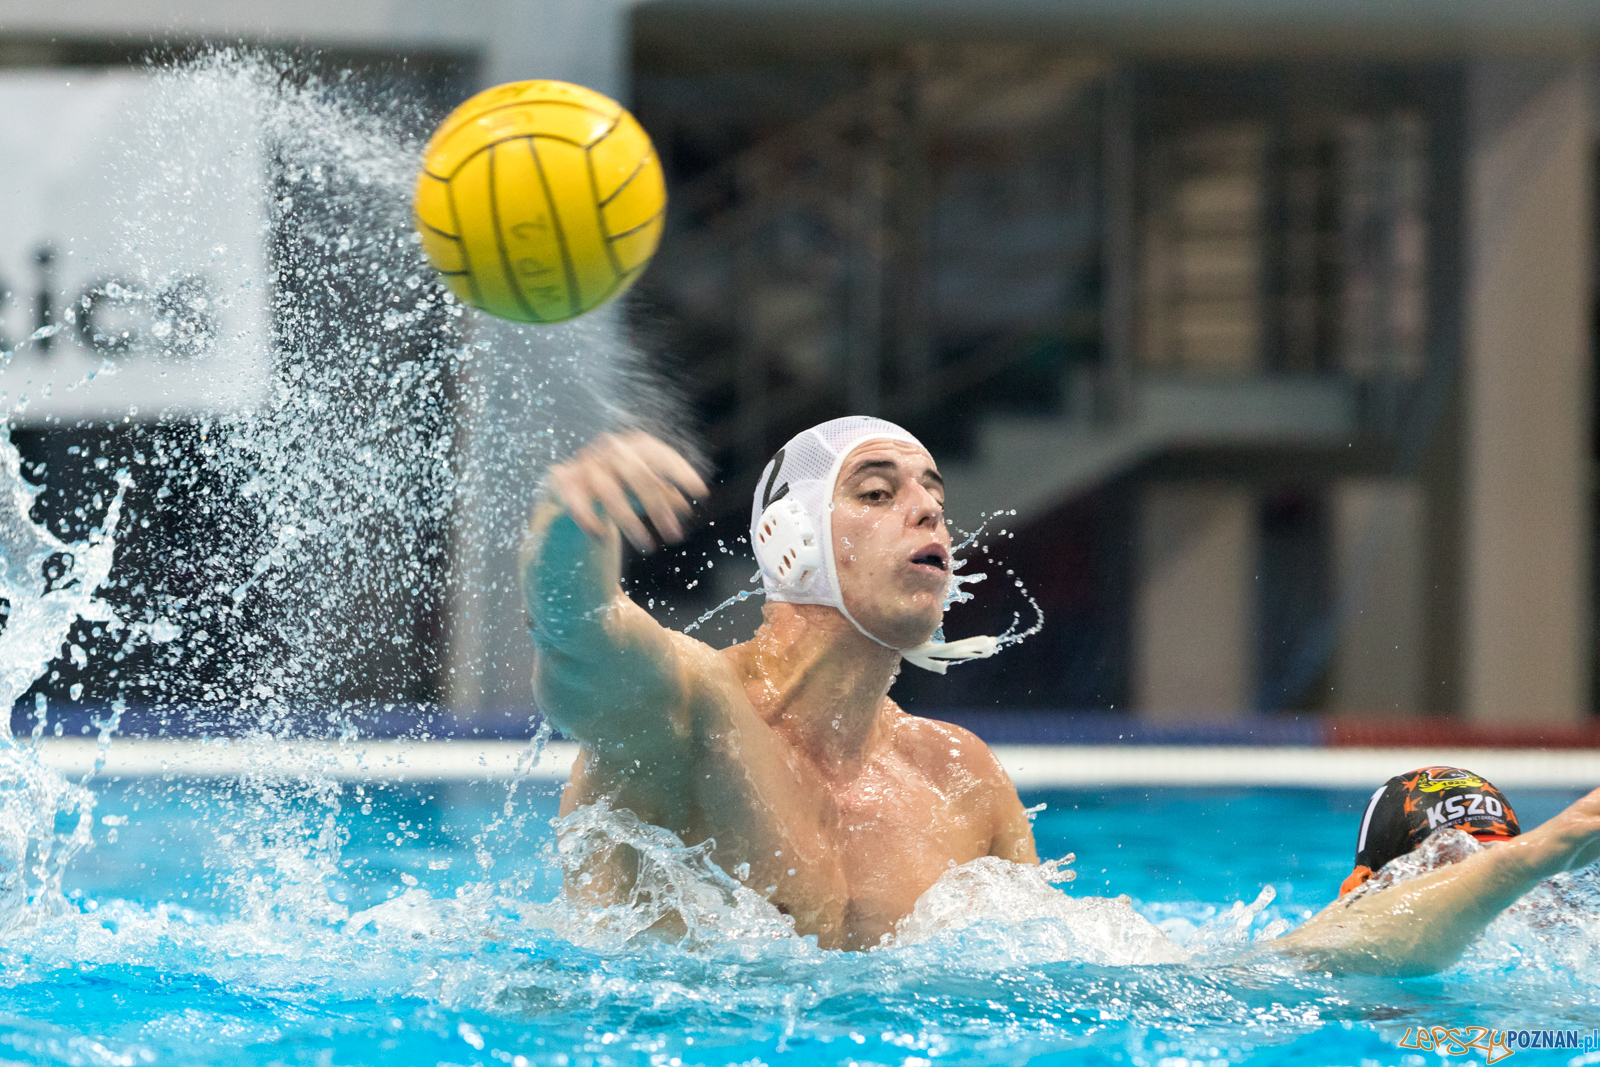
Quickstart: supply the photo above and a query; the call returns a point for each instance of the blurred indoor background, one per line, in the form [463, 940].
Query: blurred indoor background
[1272, 323]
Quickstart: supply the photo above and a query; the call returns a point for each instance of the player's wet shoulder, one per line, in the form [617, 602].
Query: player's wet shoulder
[943, 749]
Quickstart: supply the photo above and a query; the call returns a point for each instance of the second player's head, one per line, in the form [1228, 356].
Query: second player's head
[1409, 807]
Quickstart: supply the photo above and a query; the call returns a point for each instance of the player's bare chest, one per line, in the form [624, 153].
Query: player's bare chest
[895, 816]
[895, 838]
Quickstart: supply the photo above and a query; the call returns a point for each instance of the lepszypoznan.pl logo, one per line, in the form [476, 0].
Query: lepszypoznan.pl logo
[1495, 1045]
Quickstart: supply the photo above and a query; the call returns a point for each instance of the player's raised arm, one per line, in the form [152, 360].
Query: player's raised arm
[1423, 925]
[607, 674]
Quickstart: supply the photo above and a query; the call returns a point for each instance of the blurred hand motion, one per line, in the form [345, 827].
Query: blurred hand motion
[618, 475]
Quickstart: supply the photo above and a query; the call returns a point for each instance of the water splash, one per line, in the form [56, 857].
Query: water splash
[679, 891]
[1043, 924]
[378, 485]
[738, 598]
[48, 586]
[398, 432]
[957, 593]
[510, 823]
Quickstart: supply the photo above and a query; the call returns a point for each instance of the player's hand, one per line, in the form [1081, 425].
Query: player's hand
[623, 473]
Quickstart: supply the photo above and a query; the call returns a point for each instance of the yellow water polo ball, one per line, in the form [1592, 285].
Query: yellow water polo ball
[540, 200]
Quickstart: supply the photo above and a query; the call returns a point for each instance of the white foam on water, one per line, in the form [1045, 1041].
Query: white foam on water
[1042, 924]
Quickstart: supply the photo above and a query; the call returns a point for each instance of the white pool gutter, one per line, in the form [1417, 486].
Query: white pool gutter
[1032, 767]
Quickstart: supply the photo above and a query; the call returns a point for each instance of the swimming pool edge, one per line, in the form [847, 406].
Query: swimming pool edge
[1032, 767]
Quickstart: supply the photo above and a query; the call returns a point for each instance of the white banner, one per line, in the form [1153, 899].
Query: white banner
[133, 266]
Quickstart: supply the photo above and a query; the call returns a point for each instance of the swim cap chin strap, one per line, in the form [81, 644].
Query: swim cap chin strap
[936, 656]
[791, 531]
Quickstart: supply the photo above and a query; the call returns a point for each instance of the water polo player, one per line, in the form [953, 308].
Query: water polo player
[1410, 808]
[785, 750]
[1421, 925]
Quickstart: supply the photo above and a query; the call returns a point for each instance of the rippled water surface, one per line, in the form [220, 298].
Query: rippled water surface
[354, 924]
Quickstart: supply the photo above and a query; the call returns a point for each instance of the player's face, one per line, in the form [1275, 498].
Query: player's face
[890, 544]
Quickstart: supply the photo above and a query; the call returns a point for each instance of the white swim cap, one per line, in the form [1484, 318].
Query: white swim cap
[791, 528]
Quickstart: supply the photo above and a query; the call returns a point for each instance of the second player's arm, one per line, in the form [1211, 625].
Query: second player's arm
[1423, 925]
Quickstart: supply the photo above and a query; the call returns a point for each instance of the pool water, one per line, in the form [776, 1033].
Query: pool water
[422, 924]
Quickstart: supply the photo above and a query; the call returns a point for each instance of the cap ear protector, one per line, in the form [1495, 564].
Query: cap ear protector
[786, 545]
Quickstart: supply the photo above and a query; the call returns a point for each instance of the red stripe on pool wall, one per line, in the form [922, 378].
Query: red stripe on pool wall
[1390, 733]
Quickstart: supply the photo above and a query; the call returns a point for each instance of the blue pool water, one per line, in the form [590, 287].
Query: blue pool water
[358, 925]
